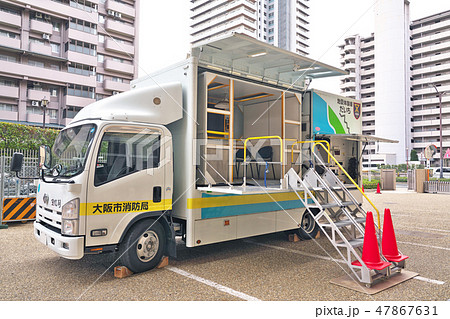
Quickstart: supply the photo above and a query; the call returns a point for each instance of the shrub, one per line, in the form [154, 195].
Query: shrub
[370, 185]
[24, 137]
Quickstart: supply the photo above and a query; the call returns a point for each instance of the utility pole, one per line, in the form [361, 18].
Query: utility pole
[44, 103]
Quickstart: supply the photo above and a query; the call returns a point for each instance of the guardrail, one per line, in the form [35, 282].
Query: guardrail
[436, 187]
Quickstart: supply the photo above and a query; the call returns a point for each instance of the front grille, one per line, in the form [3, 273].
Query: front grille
[49, 217]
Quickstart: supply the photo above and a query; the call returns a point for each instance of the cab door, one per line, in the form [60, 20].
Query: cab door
[126, 179]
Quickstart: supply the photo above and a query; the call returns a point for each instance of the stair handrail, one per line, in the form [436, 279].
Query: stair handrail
[305, 142]
[351, 179]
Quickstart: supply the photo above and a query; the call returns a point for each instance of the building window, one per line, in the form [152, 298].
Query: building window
[82, 25]
[101, 18]
[81, 69]
[56, 26]
[56, 48]
[7, 58]
[54, 92]
[9, 34]
[8, 107]
[55, 67]
[117, 79]
[100, 78]
[81, 91]
[8, 82]
[101, 38]
[82, 47]
[36, 63]
[100, 58]
[83, 5]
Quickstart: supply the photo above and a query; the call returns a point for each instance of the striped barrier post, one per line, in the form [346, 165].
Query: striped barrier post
[2, 189]
[19, 209]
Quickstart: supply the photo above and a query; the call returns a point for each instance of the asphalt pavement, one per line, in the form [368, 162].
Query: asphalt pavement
[266, 267]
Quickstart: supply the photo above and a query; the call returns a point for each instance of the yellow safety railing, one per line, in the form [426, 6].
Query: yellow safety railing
[260, 138]
[305, 142]
[351, 179]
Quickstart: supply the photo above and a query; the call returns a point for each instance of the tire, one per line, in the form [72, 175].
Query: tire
[143, 246]
[308, 226]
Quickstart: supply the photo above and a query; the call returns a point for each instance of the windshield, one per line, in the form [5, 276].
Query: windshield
[70, 150]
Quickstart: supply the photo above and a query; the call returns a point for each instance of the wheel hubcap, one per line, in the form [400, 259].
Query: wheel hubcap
[147, 246]
[307, 222]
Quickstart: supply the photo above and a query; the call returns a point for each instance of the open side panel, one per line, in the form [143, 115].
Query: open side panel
[245, 132]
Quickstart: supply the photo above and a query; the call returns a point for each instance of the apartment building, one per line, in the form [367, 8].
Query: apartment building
[64, 55]
[425, 62]
[283, 23]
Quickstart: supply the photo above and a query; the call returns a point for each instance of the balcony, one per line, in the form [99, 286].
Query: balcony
[431, 38]
[37, 118]
[115, 66]
[41, 27]
[9, 92]
[9, 116]
[82, 58]
[36, 95]
[9, 42]
[78, 100]
[120, 7]
[110, 85]
[38, 74]
[111, 45]
[10, 19]
[40, 48]
[118, 27]
[432, 69]
[83, 36]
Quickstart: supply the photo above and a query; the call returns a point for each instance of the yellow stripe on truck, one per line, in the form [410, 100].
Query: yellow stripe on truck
[106, 208]
[219, 201]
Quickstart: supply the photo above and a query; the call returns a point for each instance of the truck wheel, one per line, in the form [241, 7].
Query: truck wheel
[308, 226]
[143, 246]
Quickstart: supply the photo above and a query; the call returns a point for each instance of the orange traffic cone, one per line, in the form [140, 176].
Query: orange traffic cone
[371, 254]
[378, 189]
[388, 242]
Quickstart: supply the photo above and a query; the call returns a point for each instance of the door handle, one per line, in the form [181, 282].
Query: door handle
[157, 194]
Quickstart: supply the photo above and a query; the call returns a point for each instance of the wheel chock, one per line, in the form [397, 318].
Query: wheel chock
[293, 238]
[122, 272]
[164, 262]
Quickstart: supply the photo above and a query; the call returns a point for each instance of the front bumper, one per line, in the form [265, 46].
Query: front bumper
[67, 247]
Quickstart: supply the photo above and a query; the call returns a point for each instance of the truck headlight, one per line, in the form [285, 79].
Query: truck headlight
[71, 217]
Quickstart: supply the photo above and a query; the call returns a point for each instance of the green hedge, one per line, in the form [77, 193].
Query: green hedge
[402, 179]
[24, 137]
[370, 185]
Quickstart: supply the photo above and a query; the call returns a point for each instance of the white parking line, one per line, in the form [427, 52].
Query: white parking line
[332, 259]
[437, 282]
[432, 229]
[298, 252]
[422, 245]
[212, 284]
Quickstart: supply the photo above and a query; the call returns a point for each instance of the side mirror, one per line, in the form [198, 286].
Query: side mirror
[44, 156]
[16, 162]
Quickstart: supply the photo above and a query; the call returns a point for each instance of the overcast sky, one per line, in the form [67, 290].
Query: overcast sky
[164, 30]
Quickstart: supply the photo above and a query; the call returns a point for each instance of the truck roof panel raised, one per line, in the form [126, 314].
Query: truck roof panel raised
[156, 104]
[241, 55]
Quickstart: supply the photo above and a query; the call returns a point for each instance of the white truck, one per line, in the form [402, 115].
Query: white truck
[208, 149]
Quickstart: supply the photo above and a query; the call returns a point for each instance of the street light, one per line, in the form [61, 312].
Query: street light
[44, 103]
[441, 154]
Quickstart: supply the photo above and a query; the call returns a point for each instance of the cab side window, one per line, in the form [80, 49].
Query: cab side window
[122, 154]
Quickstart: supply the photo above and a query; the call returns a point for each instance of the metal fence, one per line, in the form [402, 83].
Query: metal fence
[436, 187]
[412, 180]
[13, 186]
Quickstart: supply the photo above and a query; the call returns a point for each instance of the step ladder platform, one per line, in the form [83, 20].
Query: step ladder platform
[358, 242]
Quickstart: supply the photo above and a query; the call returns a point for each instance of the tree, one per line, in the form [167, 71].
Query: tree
[414, 156]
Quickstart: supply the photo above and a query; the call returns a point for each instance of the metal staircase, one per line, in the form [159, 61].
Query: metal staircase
[339, 215]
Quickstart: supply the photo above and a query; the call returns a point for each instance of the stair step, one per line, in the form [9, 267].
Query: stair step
[358, 242]
[331, 205]
[347, 222]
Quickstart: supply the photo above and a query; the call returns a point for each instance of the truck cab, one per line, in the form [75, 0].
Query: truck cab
[105, 173]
